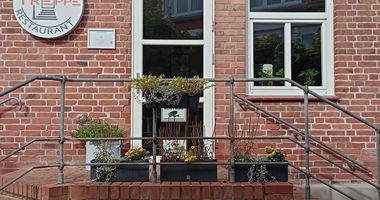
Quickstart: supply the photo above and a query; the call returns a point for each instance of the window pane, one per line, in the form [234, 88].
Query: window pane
[268, 53]
[306, 54]
[186, 61]
[287, 6]
[173, 19]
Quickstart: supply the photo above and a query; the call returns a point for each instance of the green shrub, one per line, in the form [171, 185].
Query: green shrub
[95, 128]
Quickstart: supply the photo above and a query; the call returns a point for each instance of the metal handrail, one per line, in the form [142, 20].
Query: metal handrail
[26, 145]
[297, 130]
[60, 79]
[19, 102]
[323, 182]
[63, 80]
[25, 173]
[319, 97]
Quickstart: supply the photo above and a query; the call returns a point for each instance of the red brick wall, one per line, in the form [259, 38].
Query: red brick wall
[357, 82]
[23, 56]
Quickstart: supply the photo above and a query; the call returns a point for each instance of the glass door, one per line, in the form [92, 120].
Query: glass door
[173, 38]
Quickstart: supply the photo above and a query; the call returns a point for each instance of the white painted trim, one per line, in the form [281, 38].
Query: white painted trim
[287, 52]
[287, 16]
[137, 34]
[174, 42]
[208, 68]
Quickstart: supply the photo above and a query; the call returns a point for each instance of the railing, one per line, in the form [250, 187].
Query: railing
[19, 102]
[231, 138]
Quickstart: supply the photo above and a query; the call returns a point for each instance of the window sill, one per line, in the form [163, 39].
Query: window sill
[288, 98]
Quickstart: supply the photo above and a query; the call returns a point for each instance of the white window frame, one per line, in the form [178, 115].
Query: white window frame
[327, 49]
[208, 66]
[186, 13]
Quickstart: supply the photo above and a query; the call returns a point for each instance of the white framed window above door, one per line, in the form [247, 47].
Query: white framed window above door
[181, 30]
[290, 39]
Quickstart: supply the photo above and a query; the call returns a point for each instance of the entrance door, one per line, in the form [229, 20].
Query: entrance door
[173, 38]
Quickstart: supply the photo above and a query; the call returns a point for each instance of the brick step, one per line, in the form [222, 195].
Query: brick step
[4, 196]
[41, 185]
[166, 190]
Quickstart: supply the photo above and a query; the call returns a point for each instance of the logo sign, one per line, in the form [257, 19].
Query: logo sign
[173, 115]
[48, 18]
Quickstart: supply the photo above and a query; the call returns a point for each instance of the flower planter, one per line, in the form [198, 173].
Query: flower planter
[189, 172]
[91, 150]
[126, 173]
[185, 102]
[278, 171]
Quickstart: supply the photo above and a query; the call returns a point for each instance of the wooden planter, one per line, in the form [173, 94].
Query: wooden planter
[278, 171]
[189, 172]
[125, 173]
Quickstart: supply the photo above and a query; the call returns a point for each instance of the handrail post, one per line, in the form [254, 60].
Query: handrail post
[61, 177]
[231, 167]
[154, 146]
[307, 144]
[378, 161]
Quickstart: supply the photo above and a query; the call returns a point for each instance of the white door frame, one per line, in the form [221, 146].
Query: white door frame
[208, 66]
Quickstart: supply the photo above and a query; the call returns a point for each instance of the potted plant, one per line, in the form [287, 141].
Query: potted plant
[122, 173]
[265, 171]
[179, 164]
[157, 91]
[104, 173]
[308, 76]
[96, 128]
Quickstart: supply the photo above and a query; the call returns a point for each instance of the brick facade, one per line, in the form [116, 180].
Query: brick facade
[23, 56]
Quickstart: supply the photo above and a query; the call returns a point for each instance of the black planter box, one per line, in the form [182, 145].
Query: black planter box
[189, 172]
[125, 173]
[185, 102]
[278, 171]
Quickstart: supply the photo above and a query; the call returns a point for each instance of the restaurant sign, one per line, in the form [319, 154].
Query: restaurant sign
[48, 18]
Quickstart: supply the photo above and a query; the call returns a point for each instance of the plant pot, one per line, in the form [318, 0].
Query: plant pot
[185, 102]
[124, 173]
[278, 171]
[91, 150]
[189, 172]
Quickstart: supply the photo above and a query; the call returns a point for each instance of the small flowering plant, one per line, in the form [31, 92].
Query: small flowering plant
[274, 155]
[136, 154]
[178, 153]
[174, 152]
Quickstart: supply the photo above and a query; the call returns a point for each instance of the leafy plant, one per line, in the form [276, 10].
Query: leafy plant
[196, 85]
[269, 74]
[95, 128]
[174, 153]
[155, 89]
[265, 74]
[259, 173]
[137, 154]
[104, 155]
[178, 153]
[274, 155]
[308, 76]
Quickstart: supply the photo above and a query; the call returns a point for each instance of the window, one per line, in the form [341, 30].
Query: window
[291, 39]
